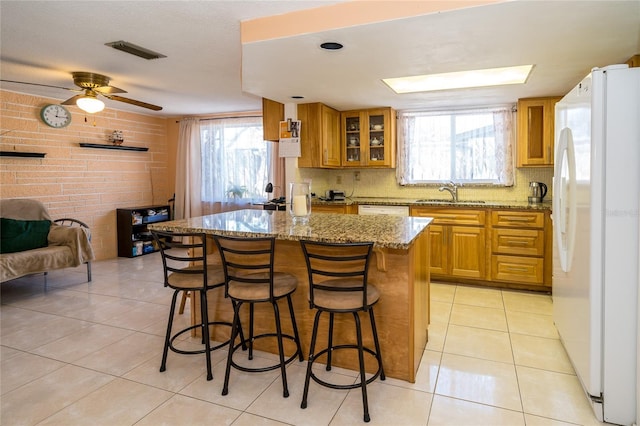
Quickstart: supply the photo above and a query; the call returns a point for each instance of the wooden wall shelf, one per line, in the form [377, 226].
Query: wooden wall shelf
[120, 147]
[22, 154]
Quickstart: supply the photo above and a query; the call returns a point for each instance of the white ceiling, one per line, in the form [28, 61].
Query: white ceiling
[208, 71]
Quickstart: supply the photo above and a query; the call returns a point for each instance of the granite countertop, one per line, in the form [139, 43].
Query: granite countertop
[385, 231]
[385, 201]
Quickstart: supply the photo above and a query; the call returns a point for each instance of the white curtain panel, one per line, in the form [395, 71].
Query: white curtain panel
[236, 163]
[188, 201]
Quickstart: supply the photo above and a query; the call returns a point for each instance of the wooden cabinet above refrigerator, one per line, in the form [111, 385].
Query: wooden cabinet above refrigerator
[536, 131]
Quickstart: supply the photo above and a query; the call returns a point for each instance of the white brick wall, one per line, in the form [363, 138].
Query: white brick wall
[87, 184]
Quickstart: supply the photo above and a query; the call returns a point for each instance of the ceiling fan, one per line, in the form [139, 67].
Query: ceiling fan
[92, 85]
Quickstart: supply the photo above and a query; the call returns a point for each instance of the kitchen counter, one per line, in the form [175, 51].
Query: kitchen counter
[385, 201]
[399, 269]
[386, 232]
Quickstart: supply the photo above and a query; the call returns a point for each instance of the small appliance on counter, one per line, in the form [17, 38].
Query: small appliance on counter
[275, 204]
[334, 195]
[537, 191]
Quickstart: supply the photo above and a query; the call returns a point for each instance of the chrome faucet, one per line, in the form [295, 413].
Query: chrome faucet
[451, 188]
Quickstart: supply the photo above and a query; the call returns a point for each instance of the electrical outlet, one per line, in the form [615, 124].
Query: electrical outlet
[356, 176]
[339, 179]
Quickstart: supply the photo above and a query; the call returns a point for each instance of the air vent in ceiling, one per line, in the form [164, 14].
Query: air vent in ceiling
[131, 48]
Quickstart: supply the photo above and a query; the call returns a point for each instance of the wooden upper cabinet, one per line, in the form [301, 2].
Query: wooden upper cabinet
[319, 136]
[272, 115]
[369, 138]
[633, 61]
[536, 131]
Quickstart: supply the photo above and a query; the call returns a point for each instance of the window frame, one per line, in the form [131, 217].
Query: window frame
[208, 160]
[505, 153]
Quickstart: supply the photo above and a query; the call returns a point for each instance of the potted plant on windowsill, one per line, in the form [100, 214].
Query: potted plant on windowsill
[236, 191]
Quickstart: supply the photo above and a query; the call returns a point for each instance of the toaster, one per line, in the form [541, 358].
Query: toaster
[335, 195]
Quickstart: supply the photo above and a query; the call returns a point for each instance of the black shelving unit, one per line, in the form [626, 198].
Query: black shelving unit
[134, 239]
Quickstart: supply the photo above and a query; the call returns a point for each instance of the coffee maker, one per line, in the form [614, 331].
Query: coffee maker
[537, 191]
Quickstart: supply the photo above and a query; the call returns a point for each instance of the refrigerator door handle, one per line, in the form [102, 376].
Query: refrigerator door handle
[564, 199]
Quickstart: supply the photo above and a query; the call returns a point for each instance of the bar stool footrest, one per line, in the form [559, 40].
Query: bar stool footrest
[199, 351]
[268, 368]
[354, 385]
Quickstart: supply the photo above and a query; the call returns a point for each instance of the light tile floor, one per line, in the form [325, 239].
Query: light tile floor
[76, 353]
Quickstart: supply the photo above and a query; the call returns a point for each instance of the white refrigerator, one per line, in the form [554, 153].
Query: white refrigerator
[596, 203]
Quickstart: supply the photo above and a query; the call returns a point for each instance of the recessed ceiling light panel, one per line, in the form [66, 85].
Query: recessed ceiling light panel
[460, 80]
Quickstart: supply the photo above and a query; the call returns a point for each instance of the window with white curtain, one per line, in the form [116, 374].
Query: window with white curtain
[464, 146]
[235, 159]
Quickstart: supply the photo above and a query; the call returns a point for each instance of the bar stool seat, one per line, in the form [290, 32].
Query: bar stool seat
[250, 278]
[347, 300]
[338, 285]
[185, 269]
[283, 284]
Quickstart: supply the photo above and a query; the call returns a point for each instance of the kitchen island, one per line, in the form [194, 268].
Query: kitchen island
[399, 268]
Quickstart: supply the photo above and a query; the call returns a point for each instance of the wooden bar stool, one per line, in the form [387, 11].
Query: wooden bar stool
[338, 285]
[186, 269]
[250, 278]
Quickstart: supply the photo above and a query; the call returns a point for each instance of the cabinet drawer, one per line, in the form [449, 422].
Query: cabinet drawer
[319, 208]
[517, 219]
[527, 242]
[517, 269]
[451, 216]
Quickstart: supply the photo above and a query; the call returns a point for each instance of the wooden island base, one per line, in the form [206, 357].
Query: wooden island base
[402, 314]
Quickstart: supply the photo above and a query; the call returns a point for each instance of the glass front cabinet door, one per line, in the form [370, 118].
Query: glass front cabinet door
[369, 138]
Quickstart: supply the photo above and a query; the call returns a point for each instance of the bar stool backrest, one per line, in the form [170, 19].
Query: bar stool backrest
[329, 263]
[247, 260]
[189, 256]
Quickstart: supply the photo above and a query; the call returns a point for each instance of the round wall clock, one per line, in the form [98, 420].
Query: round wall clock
[55, 116]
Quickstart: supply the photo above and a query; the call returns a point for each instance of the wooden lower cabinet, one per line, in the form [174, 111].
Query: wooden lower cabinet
[521, 248]
[467, 251]
[338, 208]
[457, 242]
[519, 242]
[438, 237]
[496, 247]
[517, 269]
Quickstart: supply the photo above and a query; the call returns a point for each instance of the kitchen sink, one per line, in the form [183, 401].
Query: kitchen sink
[436, 201]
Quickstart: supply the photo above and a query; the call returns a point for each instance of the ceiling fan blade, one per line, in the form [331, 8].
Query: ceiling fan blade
[42, 85]
[133, 102]
[108, 90]
[72, 101]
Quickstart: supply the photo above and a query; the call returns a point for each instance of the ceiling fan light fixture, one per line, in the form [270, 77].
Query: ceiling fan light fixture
[133, 49]
[460, 80]
[90, 104]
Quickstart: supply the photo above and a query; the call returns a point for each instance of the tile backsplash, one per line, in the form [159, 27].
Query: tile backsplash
[383, 183]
